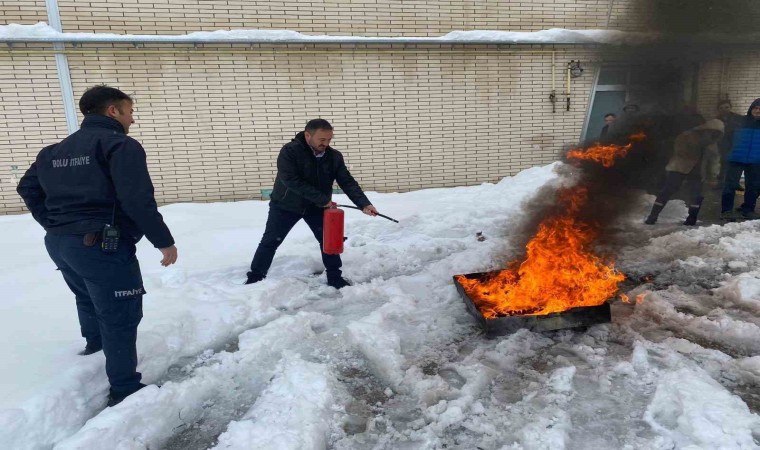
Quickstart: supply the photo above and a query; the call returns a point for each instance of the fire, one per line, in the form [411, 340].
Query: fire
[605, 154]
[639, 298]
[558, 273]
[560, 270]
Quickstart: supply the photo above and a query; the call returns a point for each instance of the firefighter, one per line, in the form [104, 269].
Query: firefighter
[93, 195]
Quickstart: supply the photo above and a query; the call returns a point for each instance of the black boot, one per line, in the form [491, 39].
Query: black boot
[114, 397]
[337, 281]
[654, 214]
[254, 278]
[691, 219]
[694, 207]
[90, 348]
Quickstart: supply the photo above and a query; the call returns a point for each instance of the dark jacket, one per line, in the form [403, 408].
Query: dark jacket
[746, 142]
[72, 186]
[733, 122]
[304, 182]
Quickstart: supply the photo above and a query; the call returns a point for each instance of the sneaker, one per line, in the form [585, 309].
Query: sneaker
[91, 348]
[254, 278]
[114, 398]
[338, 283]
[750, 215]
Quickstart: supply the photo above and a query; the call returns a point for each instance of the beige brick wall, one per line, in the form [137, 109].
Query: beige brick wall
[213, 119]
[25, 12]
[735, 77]
[345, 17]
[743, 79]
[31, 116]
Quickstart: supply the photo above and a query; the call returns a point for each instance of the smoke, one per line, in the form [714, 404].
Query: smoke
[693, 17]
[662, 91]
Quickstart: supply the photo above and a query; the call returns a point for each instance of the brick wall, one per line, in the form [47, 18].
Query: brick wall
[743, 79]
[31, 116]
[348, 17]
[212, 119]
[735, 77]
[25, 12]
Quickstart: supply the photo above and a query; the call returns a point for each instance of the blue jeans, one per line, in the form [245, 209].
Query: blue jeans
[279, 224]
[108, 288]
[752, 188]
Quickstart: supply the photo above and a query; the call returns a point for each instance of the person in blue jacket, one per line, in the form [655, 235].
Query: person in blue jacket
[744, 157]
[84, 191]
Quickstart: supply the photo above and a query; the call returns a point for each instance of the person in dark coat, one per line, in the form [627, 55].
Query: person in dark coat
[81, 190]
[695, 160]
[609, 119]
[732, 121]
[744, 157]
[307, 167]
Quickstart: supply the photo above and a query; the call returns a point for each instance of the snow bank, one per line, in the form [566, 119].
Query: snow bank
[294, 412]
[695, 411]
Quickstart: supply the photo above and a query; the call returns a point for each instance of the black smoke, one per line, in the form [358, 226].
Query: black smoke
[663, 88]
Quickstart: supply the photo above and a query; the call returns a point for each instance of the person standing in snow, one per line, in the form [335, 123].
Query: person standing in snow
[695, 160]
[81, 190]
[732, 121]
[307, 167]
[744, 157]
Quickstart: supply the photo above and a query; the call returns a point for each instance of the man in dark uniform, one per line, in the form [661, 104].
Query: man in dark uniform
[90, 184]
[306, 169]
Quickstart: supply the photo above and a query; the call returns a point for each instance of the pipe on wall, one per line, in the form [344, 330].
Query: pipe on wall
[62, 67]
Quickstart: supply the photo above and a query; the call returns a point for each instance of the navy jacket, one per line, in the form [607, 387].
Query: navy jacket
[304, 182]
[73, 186]
[746, 143]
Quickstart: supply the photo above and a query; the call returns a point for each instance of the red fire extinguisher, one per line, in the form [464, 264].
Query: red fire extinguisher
[332, 231]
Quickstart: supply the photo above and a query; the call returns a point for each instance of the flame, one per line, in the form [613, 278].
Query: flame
[605, 154]
[639, 298]
[560, 271]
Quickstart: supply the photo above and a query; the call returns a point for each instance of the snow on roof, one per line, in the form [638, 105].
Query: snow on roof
[42, 32]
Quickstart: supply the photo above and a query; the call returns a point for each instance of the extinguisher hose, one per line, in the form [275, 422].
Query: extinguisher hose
[381, 215]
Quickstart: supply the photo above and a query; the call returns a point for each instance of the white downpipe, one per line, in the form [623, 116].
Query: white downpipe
[62, 65]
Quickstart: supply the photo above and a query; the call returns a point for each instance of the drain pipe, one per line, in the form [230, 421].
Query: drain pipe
[609, 13]
[62, 66]
[553, 95]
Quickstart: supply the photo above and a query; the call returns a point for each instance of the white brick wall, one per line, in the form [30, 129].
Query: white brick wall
[214, 119]
[349, 17]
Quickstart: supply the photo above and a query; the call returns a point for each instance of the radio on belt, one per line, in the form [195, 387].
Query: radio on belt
[110, 239]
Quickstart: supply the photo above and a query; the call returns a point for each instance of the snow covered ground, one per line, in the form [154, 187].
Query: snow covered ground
[393, 362]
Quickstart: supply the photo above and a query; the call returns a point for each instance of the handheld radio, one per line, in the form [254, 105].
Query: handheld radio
[111, 235]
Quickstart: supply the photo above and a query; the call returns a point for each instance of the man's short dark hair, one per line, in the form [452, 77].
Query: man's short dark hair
[725, 102]
[97, 99]
[609, 115]
[317, 124]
